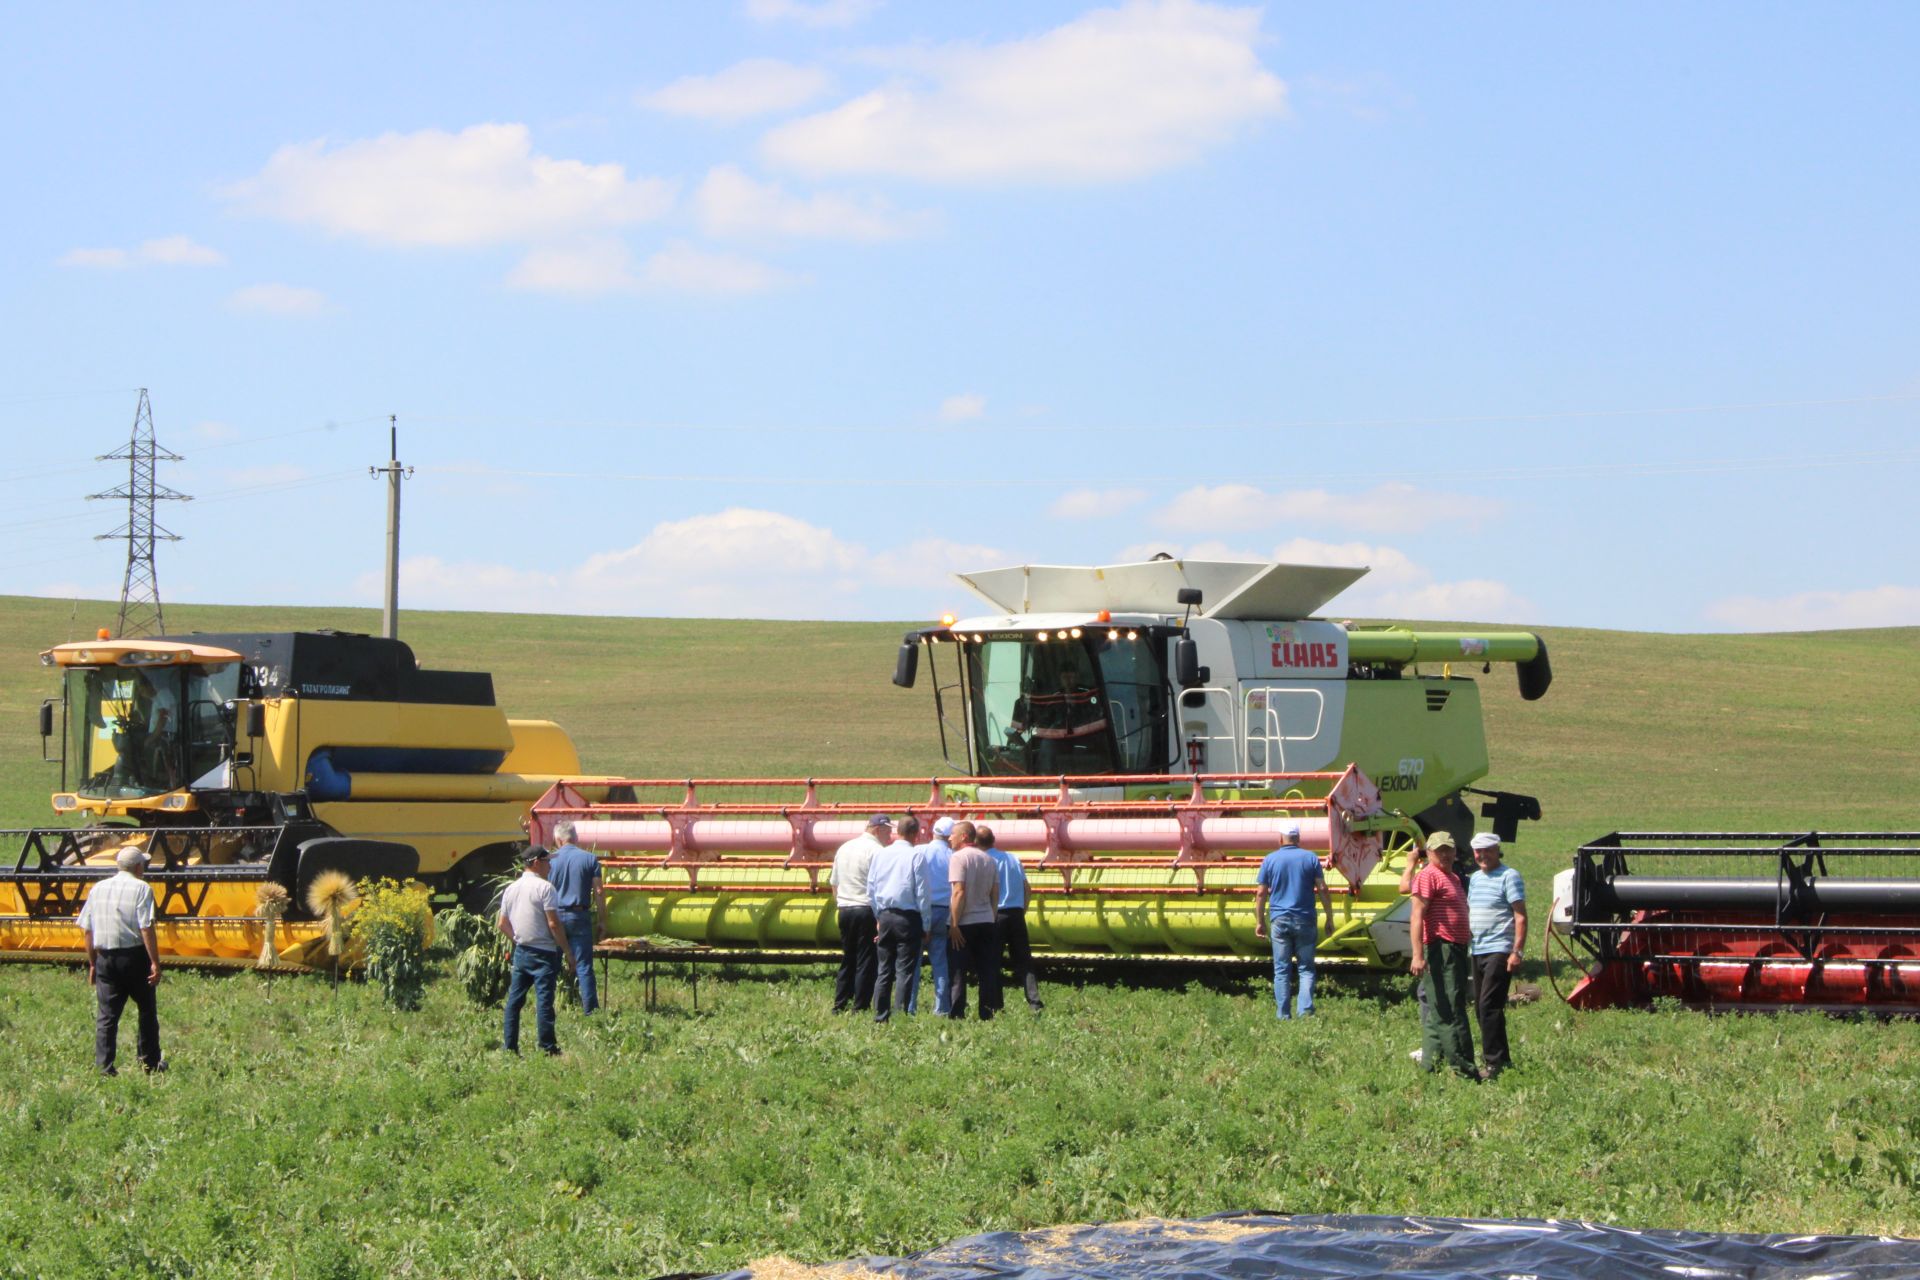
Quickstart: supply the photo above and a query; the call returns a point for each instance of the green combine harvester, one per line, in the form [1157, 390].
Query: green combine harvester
[1138, 734]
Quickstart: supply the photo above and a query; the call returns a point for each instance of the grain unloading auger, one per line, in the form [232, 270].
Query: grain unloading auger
[238, 760]
[742, 863]
[1811, 919]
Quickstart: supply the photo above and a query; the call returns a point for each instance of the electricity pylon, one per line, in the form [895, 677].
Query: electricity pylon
[140, 613]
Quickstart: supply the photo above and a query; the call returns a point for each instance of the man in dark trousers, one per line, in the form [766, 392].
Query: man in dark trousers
[123, 959]
[973, 935]
[853, 985]
[1438, 928]
[1497, 919]
[902, 903]
[1010, 915]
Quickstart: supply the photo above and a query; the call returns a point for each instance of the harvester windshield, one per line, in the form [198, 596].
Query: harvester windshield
[1061, 703]
[135, 732]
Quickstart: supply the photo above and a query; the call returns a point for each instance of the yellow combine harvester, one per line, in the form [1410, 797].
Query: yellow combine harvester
[238, 760]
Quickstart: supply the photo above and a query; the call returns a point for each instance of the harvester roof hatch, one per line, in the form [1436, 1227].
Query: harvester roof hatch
[1237, 589]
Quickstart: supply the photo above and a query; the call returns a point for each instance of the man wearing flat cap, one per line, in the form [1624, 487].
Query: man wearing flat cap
[1497, 919]
[1438, 927]
[859, 961]
[123, 959]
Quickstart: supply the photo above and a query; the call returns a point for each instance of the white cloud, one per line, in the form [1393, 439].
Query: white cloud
[963, 407]
[1386, 508]
[1115, 94]
[166, 251]
[683, 268]
[211, 432]
[1086, 504]
[1887, 606]
[736, 563]
[731, 203]
[820, 13]
[755, 87]
[279, 300]
[930, 562]
[601, 266]
[483, 185]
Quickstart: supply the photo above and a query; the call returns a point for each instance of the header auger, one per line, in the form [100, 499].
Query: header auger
[1168, 870]
[1764, 920]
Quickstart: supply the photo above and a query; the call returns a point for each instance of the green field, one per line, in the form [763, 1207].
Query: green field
[307, 1133]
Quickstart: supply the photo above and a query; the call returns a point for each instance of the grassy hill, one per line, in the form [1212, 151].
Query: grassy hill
[1646, 732]
[304, 1132]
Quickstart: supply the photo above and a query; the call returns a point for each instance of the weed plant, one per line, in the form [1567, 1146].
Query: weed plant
[393, 927]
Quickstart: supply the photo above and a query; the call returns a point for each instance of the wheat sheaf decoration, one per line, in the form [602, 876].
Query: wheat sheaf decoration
[269, 904]
[328, 897]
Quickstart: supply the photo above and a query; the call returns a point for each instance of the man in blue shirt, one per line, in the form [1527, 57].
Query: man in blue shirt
[938, 854]
[581, 900]
[901, 899]
[1010, 913]
[1289, 877]
[1497, 924]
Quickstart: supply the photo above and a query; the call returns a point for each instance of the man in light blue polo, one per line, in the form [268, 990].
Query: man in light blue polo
[1289, 877]
[938, 854]
[901, 899]
[1497, 924]
[581, 901]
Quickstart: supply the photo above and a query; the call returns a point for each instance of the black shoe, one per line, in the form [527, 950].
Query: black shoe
[109, 1071]
[156, 1068]
[553, 1052]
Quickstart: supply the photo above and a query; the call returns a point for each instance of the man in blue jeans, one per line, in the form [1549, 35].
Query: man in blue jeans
[582, 902]
[528, 918]
[938, 854]
[1289, 878]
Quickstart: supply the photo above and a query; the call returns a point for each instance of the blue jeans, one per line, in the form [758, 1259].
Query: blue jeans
[1293, 937]
[532, 967]
[579, 927]
[937, 958]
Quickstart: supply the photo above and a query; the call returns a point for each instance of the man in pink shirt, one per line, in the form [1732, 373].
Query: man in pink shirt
[1438, 927]
[972, 931]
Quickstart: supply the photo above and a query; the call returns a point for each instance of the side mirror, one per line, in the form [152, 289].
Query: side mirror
[256, 720]
[1188, 596]
[46, 718]
[1187, 672]
[907, 666]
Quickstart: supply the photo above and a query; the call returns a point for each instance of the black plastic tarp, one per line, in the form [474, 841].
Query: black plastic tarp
[1246, 1246]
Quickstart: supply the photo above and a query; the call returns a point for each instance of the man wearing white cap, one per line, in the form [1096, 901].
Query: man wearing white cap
[1497, 920]
[939, 853]
[123, 959]
[1289, 877]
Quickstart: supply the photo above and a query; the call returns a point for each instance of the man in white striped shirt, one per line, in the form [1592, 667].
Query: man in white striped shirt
[123, 959]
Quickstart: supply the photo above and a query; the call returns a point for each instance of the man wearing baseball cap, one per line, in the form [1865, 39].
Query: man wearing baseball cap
[939, 854]
[1290, 877]
[859, 961]
[1438, 929]
[530, 917]
[123, 959]
[1497, 919]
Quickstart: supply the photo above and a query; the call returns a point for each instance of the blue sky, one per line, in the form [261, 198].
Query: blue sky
[1554, 315]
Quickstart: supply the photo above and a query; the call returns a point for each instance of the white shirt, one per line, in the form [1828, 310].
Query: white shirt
[850, 866]
[525, 905]
[116, 910]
